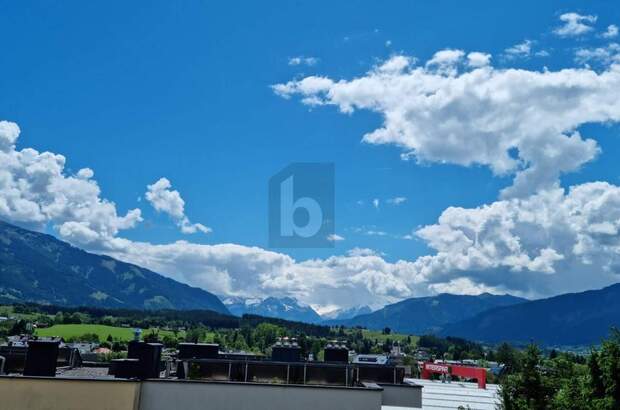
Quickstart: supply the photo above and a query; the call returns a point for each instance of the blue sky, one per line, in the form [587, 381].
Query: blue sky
[138, 92]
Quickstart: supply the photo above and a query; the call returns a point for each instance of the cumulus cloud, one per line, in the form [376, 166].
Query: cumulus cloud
[575, 24]
[523, 49]
[536, 240]
[35, 190]
[335, 238]
[236, 270]
[606, 55]
[476, 59]
[9, 131]
[611, 32]
[551, 242]
[515, 121]
[461, 286]
[362, 252]
[443, 62]
[164, 199]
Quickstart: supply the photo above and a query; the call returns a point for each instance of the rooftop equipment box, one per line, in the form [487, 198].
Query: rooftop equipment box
[286, 353]
[125, 368]
[199, 350]
[149, 356]
[41, 358]
[336, 354]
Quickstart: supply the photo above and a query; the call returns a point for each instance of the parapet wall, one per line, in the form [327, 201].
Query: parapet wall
[43, 393]
[49, 393]
[190, 395]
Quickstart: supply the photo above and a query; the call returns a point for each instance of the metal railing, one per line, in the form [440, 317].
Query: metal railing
[312, 373]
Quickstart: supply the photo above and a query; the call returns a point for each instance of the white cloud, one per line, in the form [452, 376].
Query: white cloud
[164, 199]
[523, 50]
[9, 132]
[461, 286]
[443, 62]
[301, 60]
[396, 64]
[397, 200]
[477, 59]
[611, 32]
[376, 203]
[548, 243]
[362, 252]
[35, 190]
[539, 240]
[604, 55]
[575, 24]
[335, 238]
[85, 173]
[515, 121]
[551, 242]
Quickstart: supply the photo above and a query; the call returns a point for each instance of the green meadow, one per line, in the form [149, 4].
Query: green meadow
[117, 333]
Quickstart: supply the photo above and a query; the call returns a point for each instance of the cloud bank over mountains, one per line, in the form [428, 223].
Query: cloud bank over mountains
[536, 239]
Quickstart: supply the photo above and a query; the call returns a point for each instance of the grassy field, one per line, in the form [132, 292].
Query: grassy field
[377, 334]
[68, 331]
[10, 311]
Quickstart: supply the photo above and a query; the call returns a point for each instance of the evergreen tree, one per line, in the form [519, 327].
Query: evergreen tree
[533, 388]
[596, 376]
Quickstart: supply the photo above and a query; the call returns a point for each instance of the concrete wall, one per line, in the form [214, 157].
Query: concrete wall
[196, 395]
[42, 393]
[402, 395]
[33, 393]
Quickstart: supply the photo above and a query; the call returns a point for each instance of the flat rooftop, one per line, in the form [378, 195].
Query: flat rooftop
[440, 396]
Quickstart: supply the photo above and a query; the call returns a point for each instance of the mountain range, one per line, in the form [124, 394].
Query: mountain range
[39, 268]
[428, 314]
[283, 308]
[570, 319]
[346, 313]
[36, 267]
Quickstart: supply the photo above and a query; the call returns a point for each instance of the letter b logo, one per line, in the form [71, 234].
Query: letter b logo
[301, 206]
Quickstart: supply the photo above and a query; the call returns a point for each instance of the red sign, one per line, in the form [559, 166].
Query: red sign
[437, 368]
[478, 373]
